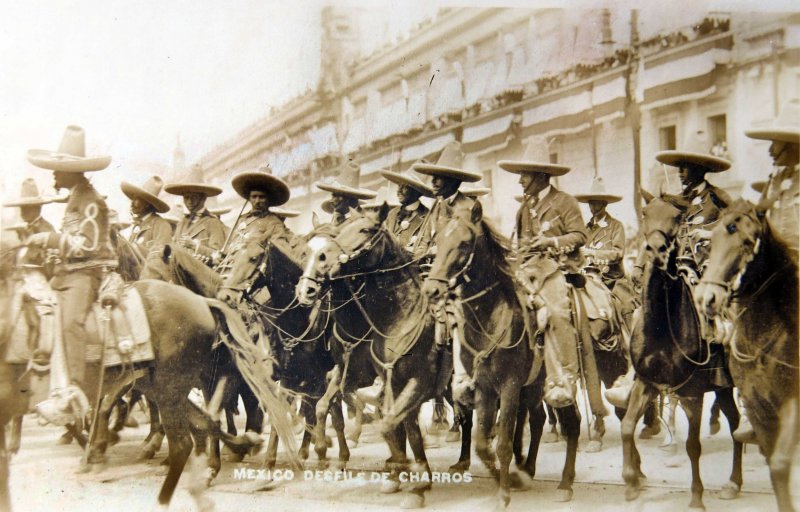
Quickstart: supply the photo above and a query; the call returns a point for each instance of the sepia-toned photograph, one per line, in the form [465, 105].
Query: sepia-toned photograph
[378, 255]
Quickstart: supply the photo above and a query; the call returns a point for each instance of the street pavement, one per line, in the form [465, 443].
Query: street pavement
[43, 478]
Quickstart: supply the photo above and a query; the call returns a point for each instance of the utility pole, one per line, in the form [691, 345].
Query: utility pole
[633, 113]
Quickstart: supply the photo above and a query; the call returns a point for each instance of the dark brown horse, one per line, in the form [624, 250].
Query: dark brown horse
[376, 287]
[754, 276]
[14, 390]
[668, 353]
[497, 351]
[298, 334]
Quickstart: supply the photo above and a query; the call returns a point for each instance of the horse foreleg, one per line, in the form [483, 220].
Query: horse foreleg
[416, 496]
[570, 419]
[357, 407]
[536, 421]
[727, 405]
[464, 421]
[519, 431]
[323, 406]
[780, 460]
[509, 409]
[693, 407]
[337, 421]
[272, 449]
[15, 435]
[641, 395]
[486, 406]
[99, 442]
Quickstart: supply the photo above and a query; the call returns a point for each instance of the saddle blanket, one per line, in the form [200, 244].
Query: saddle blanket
[129, 343]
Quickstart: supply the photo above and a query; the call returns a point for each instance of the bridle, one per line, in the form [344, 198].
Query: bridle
[461, 274]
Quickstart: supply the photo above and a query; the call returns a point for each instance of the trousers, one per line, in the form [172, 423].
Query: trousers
[77, 291]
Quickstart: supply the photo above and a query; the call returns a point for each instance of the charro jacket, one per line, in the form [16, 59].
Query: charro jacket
[606, 243]
[556, 215]
[405, 222]
[206, 232]
[83, 242]
[151, 233]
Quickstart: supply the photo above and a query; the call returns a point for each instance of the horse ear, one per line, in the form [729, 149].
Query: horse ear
[383, 212]
[647, 196]
[476, 214]
[314, 220]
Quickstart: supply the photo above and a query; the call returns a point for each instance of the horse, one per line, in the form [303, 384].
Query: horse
[668, 353]
[499, 354]
[299, 335]
[754, 275]
[371, 276]
[14, 380]
[185, 353]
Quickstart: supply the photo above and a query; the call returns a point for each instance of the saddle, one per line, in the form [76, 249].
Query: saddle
[35, 325]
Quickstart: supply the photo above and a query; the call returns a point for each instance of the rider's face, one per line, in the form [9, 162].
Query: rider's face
[139, 207]
[597, 207]
[406, 194]
[194, 201]
[259, 200]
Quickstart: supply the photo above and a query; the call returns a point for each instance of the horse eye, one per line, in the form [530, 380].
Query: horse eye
[731, 228]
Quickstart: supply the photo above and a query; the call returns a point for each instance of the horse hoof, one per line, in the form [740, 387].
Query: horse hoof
[235, 457]
[113, 438]
[83, 468]
[453, 436]
[323, 465]
[65, 439]
[146, 454]
[632, 492]
[550, 437]
[431, 441]
[162, 470]
[329, 441]
[713, 428]
[650, 431]
[390, 487]
[412, 501]
[729, 491]
[519, 481]
[563, 495]
[460, 466]
[303, 453]
[594, 446]
[696, 506]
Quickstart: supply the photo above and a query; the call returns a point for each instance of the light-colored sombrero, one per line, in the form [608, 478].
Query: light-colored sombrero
[786, 127]
[346, 183]
[695, 152]
[193, 183]
[759, 186]
[29, 195]
[71, 154]
[382, 197]
[284, 212]
[409, 180]
[449, 165]
[475, 191]
[262, 180]
[536, 158]
[597, 192]
[148, 191]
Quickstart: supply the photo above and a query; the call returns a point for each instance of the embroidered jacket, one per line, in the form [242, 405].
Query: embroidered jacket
[151, 233]
[206, 232]
[405, 222]
[606, 242]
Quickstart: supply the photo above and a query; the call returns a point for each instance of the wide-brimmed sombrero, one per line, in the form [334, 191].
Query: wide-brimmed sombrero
[786, 127]
[262, 180]
[346, 183]
[148, 191]
[449, 165]
[380, 198]
[409, 180]
[284, 212]
[696, 153]
[71, 155]
[29, 195]
[475, 191]
[597, 192]
[193, 184]
[536, 158]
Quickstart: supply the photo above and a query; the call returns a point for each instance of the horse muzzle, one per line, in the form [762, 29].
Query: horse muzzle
[434, 288]
[709, 298]
[307, 291]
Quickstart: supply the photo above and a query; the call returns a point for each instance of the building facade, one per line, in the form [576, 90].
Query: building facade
[607, 88]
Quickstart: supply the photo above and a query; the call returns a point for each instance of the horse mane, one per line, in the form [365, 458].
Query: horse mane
[499, 247]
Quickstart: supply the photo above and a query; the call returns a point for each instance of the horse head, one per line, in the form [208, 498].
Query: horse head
[356, 249]
[455, 251]
[661, 218]
[735, 242]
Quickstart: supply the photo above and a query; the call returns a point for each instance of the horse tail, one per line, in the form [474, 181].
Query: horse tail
[255, 365]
